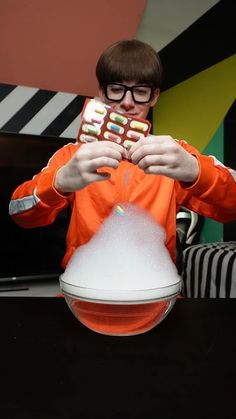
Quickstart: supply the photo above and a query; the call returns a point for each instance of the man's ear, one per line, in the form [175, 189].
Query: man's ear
[155, 98]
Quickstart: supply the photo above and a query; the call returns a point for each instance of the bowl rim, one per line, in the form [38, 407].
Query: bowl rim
[121, 296]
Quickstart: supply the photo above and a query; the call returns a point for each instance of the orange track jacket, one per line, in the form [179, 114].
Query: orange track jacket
[37, 203]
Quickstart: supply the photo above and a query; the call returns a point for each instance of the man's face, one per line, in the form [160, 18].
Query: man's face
[128, 104]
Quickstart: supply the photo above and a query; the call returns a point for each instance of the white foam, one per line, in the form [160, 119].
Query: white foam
[127, 253]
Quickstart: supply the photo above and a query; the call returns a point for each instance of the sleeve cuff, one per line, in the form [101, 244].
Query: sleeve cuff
[46, 190]
[205, 178]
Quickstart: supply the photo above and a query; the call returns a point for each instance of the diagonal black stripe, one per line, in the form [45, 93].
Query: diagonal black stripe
[64, 119]
[5, 89]
[201, 273]
[206, 42]
[219, 273]
[223, 270]
[28, 111]
[229, 277]
[192, 274]
[189, 275]
[207, 264]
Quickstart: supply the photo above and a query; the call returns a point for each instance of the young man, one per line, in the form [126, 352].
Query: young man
[158, 174]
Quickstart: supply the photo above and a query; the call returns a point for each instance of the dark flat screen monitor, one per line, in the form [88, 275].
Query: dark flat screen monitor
[37, 252]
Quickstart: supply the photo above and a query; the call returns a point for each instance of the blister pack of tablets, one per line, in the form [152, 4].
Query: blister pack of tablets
[101, 122]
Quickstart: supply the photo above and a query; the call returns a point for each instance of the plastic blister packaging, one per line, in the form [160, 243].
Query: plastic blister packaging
[101, 122]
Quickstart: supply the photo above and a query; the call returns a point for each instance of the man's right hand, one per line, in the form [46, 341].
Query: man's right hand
[81, 170]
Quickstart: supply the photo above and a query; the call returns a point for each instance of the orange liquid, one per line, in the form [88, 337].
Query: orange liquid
[119, 319]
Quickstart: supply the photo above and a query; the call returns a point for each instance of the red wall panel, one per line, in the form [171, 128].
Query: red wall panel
[54, 44]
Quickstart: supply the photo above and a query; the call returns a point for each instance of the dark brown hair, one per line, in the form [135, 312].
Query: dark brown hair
[129, 60]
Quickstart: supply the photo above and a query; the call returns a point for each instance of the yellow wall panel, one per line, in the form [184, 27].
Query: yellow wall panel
[195, 108]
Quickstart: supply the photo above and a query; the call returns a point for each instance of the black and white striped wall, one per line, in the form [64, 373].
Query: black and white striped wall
[28, 110]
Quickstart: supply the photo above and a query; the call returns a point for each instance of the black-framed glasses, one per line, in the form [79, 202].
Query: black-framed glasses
[116, 92]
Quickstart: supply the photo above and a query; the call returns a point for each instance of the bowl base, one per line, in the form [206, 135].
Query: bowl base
[120, 319]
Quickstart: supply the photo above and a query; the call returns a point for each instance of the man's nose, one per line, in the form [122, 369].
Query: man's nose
[127, 101]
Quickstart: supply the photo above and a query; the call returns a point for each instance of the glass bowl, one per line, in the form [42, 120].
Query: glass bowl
[120, 312]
